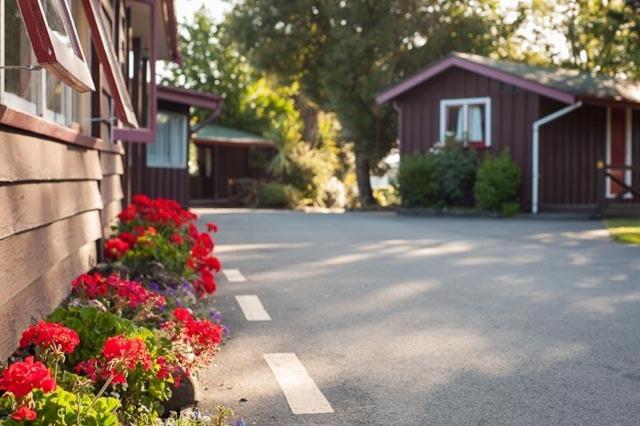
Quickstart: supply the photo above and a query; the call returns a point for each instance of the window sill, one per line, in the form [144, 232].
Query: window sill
[42, 127]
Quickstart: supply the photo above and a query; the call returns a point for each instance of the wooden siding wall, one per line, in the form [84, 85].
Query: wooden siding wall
[569, 150]
[57, 201]
[635, 148]
[513, 112]
[50, 221]
[156, 181]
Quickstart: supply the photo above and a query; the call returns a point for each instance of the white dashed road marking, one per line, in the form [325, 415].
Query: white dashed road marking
[233, 275]
[299, 389]
[252, 308]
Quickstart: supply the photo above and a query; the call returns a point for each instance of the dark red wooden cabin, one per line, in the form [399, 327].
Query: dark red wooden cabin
[224, 155]
[160, 168]
[575, 136]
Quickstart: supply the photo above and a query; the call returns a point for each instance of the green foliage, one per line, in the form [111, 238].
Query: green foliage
[145, 258]
[598, 36]
[417, 180]
[93, 326]
[344, 53]
[497, 183]
[66, 408]
[455, 168]
[625, 231]
[275, 194]
[387, 196]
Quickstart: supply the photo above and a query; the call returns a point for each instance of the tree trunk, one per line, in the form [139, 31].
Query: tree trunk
[364, 183]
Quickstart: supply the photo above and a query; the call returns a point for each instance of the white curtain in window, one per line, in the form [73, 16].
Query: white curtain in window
[460, 126]
[170, 147]
[476, 129]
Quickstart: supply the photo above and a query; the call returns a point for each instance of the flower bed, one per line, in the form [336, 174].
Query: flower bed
[131, 331]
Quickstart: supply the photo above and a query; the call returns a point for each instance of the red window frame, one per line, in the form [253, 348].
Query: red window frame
[147, 134]
[110, 64]
[68, 64]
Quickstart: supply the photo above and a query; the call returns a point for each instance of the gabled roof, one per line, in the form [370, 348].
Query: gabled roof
[215, 134]
[561, 84]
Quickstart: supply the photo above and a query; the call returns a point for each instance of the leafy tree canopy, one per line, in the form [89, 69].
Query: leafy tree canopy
[343, 52]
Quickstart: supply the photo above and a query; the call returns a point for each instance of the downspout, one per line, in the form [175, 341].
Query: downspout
[535, 148]
[399, 111]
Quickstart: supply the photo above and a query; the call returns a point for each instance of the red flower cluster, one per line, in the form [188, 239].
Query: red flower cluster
[202, 336]
[202, 261]
[24, 413]
[51, 336]
[169, 369]
[123, 292]
[21, 377]
[129, 353]
[115, 248]
[162, 211]
[120, 355]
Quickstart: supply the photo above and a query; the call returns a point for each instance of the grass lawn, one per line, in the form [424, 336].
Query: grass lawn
[624, 230]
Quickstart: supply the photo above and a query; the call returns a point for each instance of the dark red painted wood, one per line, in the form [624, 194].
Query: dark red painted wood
[513, 112]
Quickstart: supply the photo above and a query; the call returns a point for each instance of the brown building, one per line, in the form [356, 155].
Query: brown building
[64, 108]
[159, 169]
[223, 156]
[575, 136]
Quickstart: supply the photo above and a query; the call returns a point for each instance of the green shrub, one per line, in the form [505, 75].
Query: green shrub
[386, 196]
[497, 183]
[275, 194]
[455, 169]
[417, 181]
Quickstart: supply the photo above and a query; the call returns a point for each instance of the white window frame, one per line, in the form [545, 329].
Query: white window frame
[464, 103]
[65, 117]
[182, 145]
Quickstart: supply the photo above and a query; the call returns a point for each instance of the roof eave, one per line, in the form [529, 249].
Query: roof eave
[233, 142]
[608, 102]
[189, 97]
[481, 69]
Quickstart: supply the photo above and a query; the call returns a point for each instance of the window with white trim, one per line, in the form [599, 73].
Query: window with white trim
[170, 147]
[466, 120]
[36, 92]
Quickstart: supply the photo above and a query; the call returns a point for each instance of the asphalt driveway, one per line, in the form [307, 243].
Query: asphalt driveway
[418, 321]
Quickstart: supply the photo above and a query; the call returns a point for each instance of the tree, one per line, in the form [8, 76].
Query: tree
[343, 52]
[212, 63]
[589, 35]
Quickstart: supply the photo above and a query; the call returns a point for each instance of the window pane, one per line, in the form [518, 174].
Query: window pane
[20, 85]
[170, 148]
[455, 123]
[477, 123]
[55, 99]
[55, 19]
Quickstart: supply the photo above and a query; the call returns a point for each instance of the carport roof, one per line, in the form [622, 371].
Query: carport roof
[564, 85]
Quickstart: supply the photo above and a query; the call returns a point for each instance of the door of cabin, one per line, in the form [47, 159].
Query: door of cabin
[618, 149]
[202, 184]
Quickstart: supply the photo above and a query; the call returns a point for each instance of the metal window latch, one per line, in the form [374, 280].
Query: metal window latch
[21, 67]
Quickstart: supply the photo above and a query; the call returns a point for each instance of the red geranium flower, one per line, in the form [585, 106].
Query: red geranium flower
[115, 248]
[24, 413]
[53, 336]
[128, 214]
[177, 238]
[182, 315]
[128, 353]
[94, 285]
[212, 227]
[21, 377]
